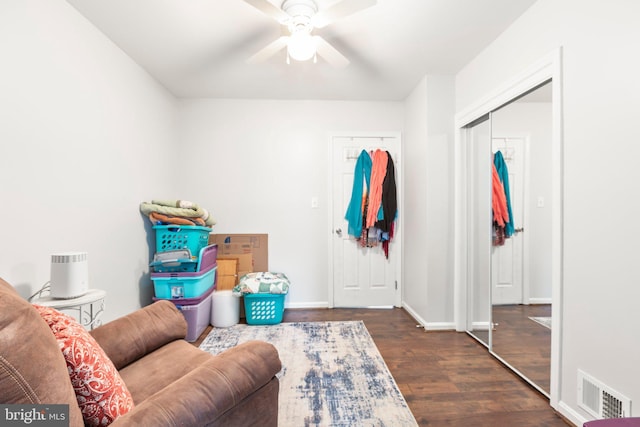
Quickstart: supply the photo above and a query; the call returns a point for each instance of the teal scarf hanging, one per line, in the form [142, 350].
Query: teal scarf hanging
[361, 173]
[503, 173]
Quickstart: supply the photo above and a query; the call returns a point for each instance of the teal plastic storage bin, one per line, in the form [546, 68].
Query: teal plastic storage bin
[171, 237]
[264, 309]
[183, 285]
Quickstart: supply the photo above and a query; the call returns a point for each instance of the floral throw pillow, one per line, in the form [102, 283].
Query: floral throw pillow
[101, 394]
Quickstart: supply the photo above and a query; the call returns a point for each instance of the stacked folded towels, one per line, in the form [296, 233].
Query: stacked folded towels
[181, 212]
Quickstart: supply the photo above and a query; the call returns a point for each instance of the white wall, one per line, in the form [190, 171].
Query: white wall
[601, 95]
[439, 190]
[533, 120]
[256, 164]
[85, 135]
[428, 247]
[415, 295]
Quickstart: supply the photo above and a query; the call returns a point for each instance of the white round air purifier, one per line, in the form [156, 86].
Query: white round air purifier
[69, 274]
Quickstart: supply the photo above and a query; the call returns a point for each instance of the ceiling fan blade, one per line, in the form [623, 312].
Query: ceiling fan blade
[269, 50]
[339, 10]
[330, 53]
[269, 9]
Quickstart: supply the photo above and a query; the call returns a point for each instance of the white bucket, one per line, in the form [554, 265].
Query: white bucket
[225, 309]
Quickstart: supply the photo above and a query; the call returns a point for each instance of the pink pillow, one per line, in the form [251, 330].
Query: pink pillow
[102, 395]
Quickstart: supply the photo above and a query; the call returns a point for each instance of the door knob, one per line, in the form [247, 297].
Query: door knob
[339, 232]
[518, 230]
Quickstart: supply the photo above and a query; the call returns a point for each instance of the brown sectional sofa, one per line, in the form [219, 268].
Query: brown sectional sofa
[171, 381]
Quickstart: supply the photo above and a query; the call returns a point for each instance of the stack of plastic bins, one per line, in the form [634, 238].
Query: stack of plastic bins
[188, 283]
[191, 292]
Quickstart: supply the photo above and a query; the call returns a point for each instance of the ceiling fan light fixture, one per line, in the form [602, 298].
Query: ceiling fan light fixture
[301, 17]
[301, 46]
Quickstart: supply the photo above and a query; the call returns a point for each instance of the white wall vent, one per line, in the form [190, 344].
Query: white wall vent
[599, 400]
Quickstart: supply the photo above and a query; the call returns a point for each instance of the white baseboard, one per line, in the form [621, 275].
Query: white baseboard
[480, 326]
[539, 300]
[317, 304]
[429, 326]
[440, 326]
[413, 314]
[570, 414]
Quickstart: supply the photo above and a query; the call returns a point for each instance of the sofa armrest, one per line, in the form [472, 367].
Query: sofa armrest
[131, 337]
[210, 390]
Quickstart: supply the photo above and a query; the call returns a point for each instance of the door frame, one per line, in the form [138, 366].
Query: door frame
[399, 231]
[547, 68]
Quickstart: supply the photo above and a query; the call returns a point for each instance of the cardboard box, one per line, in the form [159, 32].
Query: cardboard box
[227, 266]
[251, 250]
[236, 245]
[245, 262]
[227, 273]
[225, 283]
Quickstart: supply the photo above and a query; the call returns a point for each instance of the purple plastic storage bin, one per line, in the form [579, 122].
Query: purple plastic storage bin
[197, 312]
[205, 259]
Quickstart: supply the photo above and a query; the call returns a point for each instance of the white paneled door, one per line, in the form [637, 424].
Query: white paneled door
[362, 276]
[507, 261]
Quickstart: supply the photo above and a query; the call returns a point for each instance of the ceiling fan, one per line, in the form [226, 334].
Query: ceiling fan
[300, 17]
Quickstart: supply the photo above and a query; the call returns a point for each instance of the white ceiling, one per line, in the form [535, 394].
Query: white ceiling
[198, 48]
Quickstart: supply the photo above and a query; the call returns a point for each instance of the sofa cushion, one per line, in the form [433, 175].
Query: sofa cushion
[209, 388]
[101, 393]
[154, 372]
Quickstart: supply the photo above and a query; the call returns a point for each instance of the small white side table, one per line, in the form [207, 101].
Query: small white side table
[87, 309]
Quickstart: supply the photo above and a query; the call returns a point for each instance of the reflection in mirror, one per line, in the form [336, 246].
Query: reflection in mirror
[479, 227]
[521, 263]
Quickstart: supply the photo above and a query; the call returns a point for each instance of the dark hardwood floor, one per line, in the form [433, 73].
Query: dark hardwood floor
[523, 343]
[447, 378]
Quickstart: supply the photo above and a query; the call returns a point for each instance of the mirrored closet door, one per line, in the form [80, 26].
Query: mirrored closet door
[478, 168]
[509, 283]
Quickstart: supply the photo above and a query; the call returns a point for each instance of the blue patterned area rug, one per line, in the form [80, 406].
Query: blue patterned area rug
[332, 373]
